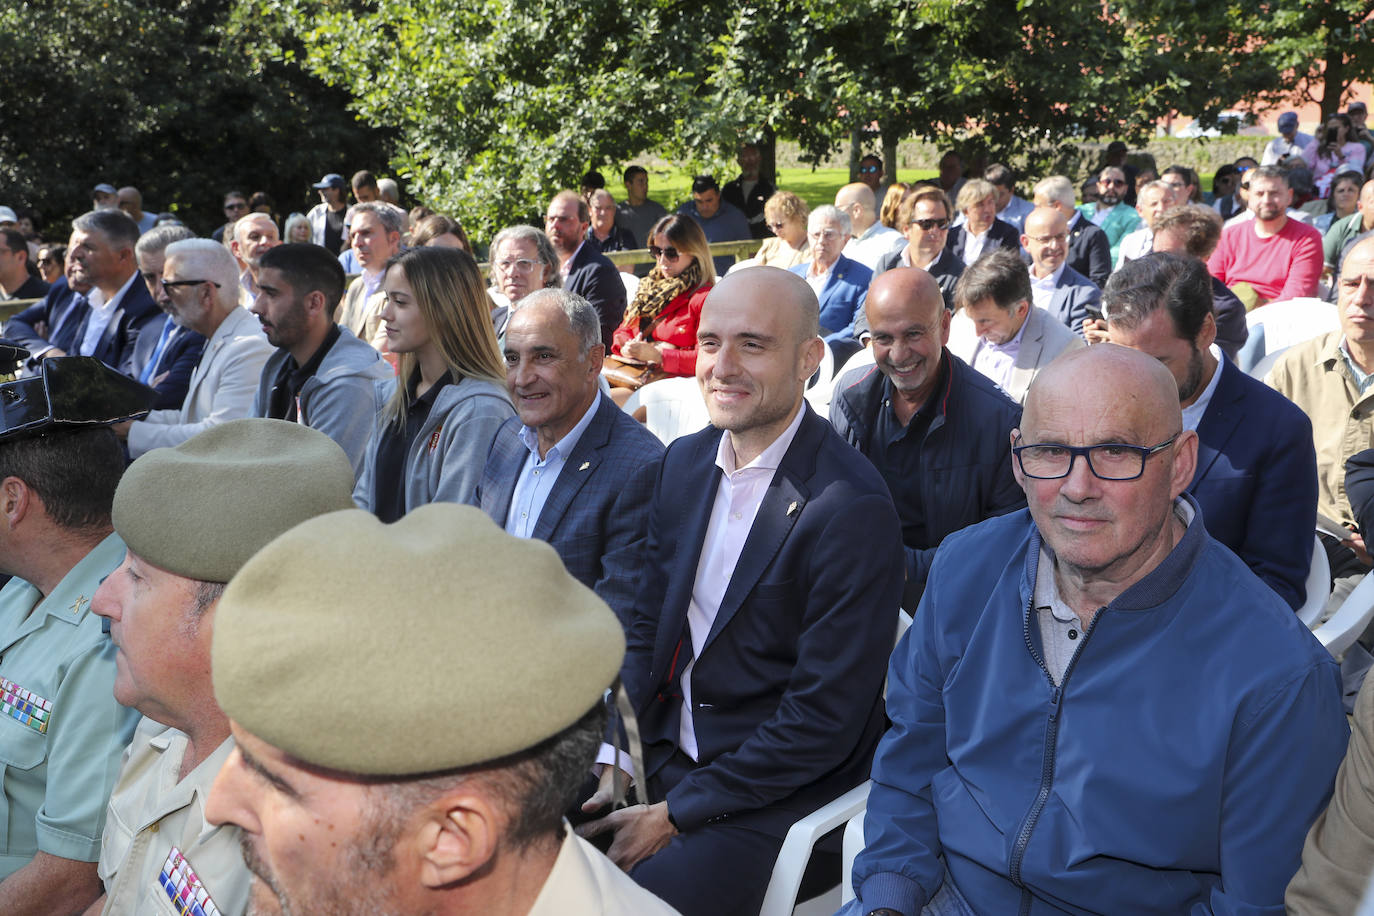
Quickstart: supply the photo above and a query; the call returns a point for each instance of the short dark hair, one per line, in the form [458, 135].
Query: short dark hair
[261, 199]
[593, 179]
[1181, 286]
[536, 786]
[116, 225]
[73, 471]
[15, 241]
[229, 194]
[703, 183]
[1000, 175]
[363, 179]
[870, 156]
[633, 170]
[999, 275]
[1269, 172]
[308, 268]
[1199, 225]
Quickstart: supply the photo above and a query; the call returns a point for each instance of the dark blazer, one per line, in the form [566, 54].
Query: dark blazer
[1000, 235]
[945, 269]
[787, 689]
[1256, 480]
[1229, 311]
[178, 362]
[1359, 489]
[842, 297]
[597, 514]
[20, 328]
[1074, 294]
[593, 277]
[966, 474]
[1090, 252]
[137, 311]
[752, 208]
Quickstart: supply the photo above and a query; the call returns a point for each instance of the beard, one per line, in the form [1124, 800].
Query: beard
[1193, 380]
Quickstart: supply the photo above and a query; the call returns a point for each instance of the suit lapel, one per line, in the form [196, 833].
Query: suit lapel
[694, 498]
[508, 457]
[1219, 422]
[577, 470]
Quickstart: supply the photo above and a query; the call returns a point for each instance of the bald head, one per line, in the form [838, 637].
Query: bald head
[1105, 379]
[1046, 237]
[909, 289]
[780, 290]
[856, 193]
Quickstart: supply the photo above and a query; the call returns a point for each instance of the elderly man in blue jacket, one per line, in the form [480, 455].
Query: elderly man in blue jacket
[1099, 708]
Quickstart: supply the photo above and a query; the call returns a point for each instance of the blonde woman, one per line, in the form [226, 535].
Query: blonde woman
[449, 397]
[887, 214]
[786, 215]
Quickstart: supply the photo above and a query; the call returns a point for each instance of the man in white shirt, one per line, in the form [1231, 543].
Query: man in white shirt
[254, 234]
[1289, 142]
[375, 236]
[997, 330]
[768, 605]
[870, 240]
[1055, 286]
[1010, 208]
[1153, 200]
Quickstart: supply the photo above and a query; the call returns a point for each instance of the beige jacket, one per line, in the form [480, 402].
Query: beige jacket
[151, 813]
[583, 882]
[1314, 376]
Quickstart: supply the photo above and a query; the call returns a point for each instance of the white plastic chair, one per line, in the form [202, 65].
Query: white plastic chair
[673, 407]
[1282, 324]
[631, 283]
[801, 839]
[853, 845]
[822, 383]
[1318, 585]
[1350, 619]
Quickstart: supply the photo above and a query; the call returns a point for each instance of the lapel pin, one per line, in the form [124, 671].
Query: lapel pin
[792, 509]
[585, 465]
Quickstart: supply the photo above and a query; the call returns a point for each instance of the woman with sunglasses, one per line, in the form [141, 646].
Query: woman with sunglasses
[786, 215]
[660, 325]
[449, 397]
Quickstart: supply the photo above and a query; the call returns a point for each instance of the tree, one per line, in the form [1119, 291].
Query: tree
[160, 94]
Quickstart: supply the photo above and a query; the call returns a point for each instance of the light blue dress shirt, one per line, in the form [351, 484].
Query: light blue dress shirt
[538, 475]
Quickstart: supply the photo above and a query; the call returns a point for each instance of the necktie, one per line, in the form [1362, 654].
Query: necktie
[150, 370]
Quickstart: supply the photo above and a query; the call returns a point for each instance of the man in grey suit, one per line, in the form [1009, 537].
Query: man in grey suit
[571, 467]
[997, 330]
[1055, 286]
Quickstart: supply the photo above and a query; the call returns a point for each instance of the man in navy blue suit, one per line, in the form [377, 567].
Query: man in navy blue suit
[165, 359]
[585, 270]
[838, 282]
[1256, 477]
[766, 613]
[121, 308]
[571, 467]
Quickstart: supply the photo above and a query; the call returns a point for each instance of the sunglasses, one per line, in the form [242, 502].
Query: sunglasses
[870, 169]
[670, 253]
[927, 225]
[236, 206]
[1112, 181]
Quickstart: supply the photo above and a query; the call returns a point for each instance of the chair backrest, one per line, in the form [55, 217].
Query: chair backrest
[631, 283]
[820, 385]
[1350, 619]
[673, 407]
[1292, 321]
[1318, 585]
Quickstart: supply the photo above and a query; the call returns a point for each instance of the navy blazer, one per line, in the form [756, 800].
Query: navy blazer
[1000, 235]
[597, 514]
[1090, 252]
[20, 328]
[137, 311]
[946, 269]
[177, 363]
[1359, 489]
[1074, 294]
[593, 277]
[787, 690]
[1256, 480]
[842, 298]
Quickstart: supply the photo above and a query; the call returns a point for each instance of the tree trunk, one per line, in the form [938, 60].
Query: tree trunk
[890, 133]
[768, 155]
[1333, 81]
[856, 152]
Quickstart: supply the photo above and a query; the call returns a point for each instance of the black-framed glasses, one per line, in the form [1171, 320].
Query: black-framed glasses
[670, 253]
[1109, 461]
[929, 224]
[169, 285]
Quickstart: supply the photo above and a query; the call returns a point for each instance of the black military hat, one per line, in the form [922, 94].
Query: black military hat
[70, 392]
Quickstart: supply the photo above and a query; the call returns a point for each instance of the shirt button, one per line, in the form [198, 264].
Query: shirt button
[1073, 634]
[737, 516]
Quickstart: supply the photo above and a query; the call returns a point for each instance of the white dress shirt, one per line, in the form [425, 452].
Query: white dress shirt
[1042, 288]
[973, 246]
[995, 361]
[817, 281]
[102, 313]
[538, 475]
[1192, 414]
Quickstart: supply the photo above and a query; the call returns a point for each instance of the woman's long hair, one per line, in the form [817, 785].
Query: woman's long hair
[453, 303]
[687, 238]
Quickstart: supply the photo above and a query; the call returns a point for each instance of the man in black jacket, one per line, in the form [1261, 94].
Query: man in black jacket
[938, 432]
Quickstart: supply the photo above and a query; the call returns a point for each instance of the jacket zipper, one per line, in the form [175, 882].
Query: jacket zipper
[1018, 852]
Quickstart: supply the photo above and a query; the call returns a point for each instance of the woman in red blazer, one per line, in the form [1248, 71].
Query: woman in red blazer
[660, 324]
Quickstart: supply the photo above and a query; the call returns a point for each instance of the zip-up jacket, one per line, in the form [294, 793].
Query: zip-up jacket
[1176, 768]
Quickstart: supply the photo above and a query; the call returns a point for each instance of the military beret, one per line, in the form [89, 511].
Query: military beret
[434, 643]
[203, 508]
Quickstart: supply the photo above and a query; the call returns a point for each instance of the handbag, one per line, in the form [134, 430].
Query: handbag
[634, 374]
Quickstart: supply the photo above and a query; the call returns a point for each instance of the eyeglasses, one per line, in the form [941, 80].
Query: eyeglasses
[1110, 461]
[1119, 182]
[870, 169]
[929, 224]
[826, 234]
[239, 205]
[169, 285]
[1046, 239]
[516, 265]
[670, 253]
[777, 226]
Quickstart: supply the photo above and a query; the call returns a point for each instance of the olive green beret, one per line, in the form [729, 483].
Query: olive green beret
[202, 509]
[434, 643]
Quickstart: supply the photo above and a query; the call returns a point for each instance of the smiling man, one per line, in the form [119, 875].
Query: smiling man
[767, 604]
[256, 479]
[321, 375]
[570, 468]
[935, 429]
[1049, 749]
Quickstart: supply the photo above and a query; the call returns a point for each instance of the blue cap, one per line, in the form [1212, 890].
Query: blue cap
[1288, 121]
[332, 180]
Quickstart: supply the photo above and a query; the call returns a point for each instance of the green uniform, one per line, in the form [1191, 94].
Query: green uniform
[61, 732]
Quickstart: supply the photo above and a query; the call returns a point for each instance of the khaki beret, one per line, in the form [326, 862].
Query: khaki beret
[203, 508]
[434, 643]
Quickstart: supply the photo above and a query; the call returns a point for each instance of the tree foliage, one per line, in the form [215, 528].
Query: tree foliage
[161, 95]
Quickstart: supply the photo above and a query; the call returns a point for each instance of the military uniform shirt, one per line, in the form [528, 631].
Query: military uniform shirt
[583, 882]
[157, 842]
[61, 731]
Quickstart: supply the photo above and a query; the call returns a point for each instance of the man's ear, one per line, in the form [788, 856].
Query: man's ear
[458, 836]
[16, 500]
[314, 301]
